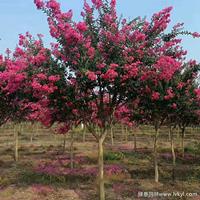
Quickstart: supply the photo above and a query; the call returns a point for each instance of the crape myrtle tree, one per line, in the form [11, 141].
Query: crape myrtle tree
[185, 103]
[109, 62]
[101, 56]
[9, 106]
[160, 101]
[6, 102]
[188, 99]
[161, 64]
[26, 79]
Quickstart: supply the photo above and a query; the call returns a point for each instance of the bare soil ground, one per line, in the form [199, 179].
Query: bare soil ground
[129, 175]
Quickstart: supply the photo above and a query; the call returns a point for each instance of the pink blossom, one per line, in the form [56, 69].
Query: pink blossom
[113, 65]
[68, 15]
[132, 70]
[91, 76]
[170, 94]
[39, 3]
[91, 52]
[54, 78]
[42, 76]
[54, 5]
[197, 92]
[110, 75]
[81, 26]
[97, 3]
[174, 106]
[196, 35]
[101, 66]
[113, 3]
[155, 96]
[180, 85]
[138, 36]
[87, 8]
[161, 20]
[167, 66]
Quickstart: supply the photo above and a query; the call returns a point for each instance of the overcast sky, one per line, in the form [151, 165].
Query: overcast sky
[19, 16]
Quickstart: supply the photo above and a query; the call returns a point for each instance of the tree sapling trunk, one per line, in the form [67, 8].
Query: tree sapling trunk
[135, 140]
[156, 154]
[16, 136]
[173, 154]
[111, 135]
[72, 151]
[182, 142]
[101, 169]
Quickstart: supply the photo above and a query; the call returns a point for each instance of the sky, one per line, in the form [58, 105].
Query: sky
[20, 16]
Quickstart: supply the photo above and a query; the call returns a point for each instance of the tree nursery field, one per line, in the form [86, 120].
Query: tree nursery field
[109, 109]
[44, 170]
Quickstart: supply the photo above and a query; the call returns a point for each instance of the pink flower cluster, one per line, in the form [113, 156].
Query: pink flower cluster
[155, 96]
[161, 20]
[170, 94]
[91, 76]
[39, 3]
[167, 66]
[110, 75]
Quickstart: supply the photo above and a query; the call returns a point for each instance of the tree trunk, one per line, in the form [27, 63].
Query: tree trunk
[156, 155]
[64, 142]
[101, 170]
[84, 132]
[126, 134]
[169, 136]
[72, 151]
[173, 154]
[32, 133]
[178, 133]
[122, 130]
[135, 140]
[182, 142]
[16, 134]
[111, 135]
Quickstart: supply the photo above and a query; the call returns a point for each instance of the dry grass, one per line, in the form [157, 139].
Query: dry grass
[19, 181]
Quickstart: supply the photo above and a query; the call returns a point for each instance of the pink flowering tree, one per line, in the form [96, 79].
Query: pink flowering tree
[8, 105]
[107, 63]
[101, 56]
[26, 79]
[6, 101]
[184, 104]
[162, 64]
[187, 99]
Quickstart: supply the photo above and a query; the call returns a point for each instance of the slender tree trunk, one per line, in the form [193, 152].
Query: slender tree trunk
[156, 155]
[173, 154]
[182, 142]
[16, 135]
[126, 134]
[135, 140]
[84, 132]
[72, 151]
[169, 136]
[32, 133]
[178, 133]
[97, 130]
[111, 135]
[64, 143]
[122, 129]
[101, 170]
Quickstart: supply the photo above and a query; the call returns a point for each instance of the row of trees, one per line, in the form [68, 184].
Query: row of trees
[100, 71]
